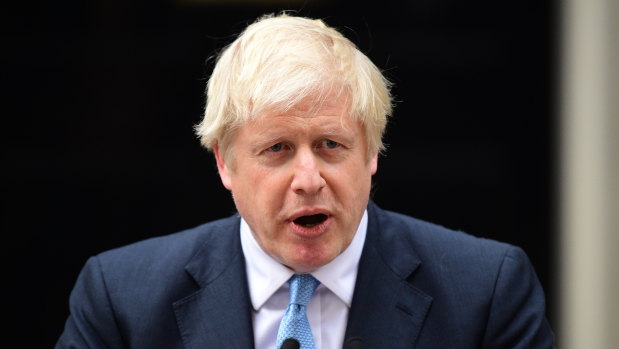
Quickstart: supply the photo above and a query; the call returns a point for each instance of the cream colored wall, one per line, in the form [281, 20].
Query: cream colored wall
[589, 200]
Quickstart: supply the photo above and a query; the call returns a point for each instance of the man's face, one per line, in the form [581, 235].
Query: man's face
[301, 179]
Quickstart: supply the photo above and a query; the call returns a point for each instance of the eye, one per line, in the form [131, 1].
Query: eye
[276, 147]
[327, 143]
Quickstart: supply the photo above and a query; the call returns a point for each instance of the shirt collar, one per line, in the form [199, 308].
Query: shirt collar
[265, 275]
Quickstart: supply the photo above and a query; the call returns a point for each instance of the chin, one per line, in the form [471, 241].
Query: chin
[304, 256]
[307, 264]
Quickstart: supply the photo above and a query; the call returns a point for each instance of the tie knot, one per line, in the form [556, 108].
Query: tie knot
[302, 286]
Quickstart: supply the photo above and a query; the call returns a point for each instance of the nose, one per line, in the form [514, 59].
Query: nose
[307, 178]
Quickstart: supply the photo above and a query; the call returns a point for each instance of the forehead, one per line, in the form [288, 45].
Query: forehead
[312, 117]
[327, 117]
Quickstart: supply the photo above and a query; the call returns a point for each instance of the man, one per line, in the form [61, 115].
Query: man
[295, 116]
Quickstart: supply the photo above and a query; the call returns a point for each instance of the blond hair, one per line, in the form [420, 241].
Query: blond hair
[281, 60]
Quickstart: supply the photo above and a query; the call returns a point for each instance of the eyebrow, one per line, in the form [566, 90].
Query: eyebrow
[263, 142]
[277, 133]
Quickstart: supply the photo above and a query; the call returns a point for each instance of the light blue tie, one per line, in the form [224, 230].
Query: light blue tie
[294, 323]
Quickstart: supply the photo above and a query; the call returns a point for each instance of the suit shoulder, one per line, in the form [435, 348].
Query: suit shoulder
[173, 249]
[434, 241]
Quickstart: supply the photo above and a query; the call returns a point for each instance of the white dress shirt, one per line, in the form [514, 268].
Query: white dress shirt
[327, 311]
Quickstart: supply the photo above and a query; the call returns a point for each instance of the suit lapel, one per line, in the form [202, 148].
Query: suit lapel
[218, 315]
[387, 311]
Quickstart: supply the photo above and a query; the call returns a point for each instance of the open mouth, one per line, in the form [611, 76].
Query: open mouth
[311, 221]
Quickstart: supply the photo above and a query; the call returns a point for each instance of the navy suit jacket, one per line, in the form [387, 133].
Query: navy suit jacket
[419, 285]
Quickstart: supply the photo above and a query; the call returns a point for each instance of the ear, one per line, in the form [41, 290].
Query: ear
[374, 163]
[224, 170]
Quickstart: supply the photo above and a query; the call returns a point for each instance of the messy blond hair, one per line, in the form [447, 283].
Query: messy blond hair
[281, 60]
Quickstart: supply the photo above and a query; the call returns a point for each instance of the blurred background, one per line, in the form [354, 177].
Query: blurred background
[98, 147]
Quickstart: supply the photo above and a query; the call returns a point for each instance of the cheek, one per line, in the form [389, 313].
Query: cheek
[259, 188]
[266, 186]
[356, 182]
